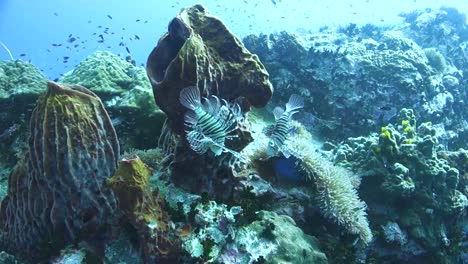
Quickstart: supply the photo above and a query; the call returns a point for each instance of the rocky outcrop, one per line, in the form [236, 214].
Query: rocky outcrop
[57, 197]
[355, 84]
[198, 49]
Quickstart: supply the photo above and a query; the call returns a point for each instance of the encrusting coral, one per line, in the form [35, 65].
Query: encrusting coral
[143, 209]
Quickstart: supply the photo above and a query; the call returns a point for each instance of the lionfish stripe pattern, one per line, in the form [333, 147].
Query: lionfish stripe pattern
[209, 123]
[279, 131]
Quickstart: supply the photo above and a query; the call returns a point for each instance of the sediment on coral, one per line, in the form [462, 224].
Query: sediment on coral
[56, 197]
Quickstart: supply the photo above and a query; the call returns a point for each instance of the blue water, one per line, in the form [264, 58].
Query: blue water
[31, 27]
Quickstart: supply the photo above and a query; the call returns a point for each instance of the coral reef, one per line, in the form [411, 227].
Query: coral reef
[143, 209]
[199, 50]
[445, 31]
[420, 187]
[20, 85]
[214, 228]
[126, 94]
[205, 178]
[271, 238]
[56, 196]
[282, 241]
[22, 82]
[371, 77]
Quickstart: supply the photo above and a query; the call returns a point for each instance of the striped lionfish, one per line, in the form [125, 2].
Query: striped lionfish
[209, 122]
[280, 130]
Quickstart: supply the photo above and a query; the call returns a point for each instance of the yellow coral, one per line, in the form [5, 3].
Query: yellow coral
[408, 129]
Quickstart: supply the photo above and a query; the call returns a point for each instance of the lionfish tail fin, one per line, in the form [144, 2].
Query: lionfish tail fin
[190, 97]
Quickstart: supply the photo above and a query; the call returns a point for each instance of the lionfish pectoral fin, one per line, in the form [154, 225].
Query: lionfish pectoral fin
[286, 152]
[216, 149]
[295, 102]
[190, 97]
[197, 142]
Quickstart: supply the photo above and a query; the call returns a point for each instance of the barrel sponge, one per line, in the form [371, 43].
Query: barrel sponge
[57, 195]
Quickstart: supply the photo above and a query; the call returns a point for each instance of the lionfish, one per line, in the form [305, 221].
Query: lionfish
[209, 122]
[280, 130]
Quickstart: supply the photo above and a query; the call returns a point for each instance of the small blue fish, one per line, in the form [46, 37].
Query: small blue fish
[285, 169]
[280, 130]
[209, 123]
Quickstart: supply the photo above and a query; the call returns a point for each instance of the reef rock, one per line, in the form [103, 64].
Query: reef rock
[144, 211]
[341, 74]
[198, 49]
[56, 197]
[274, 239]
[126, 93]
